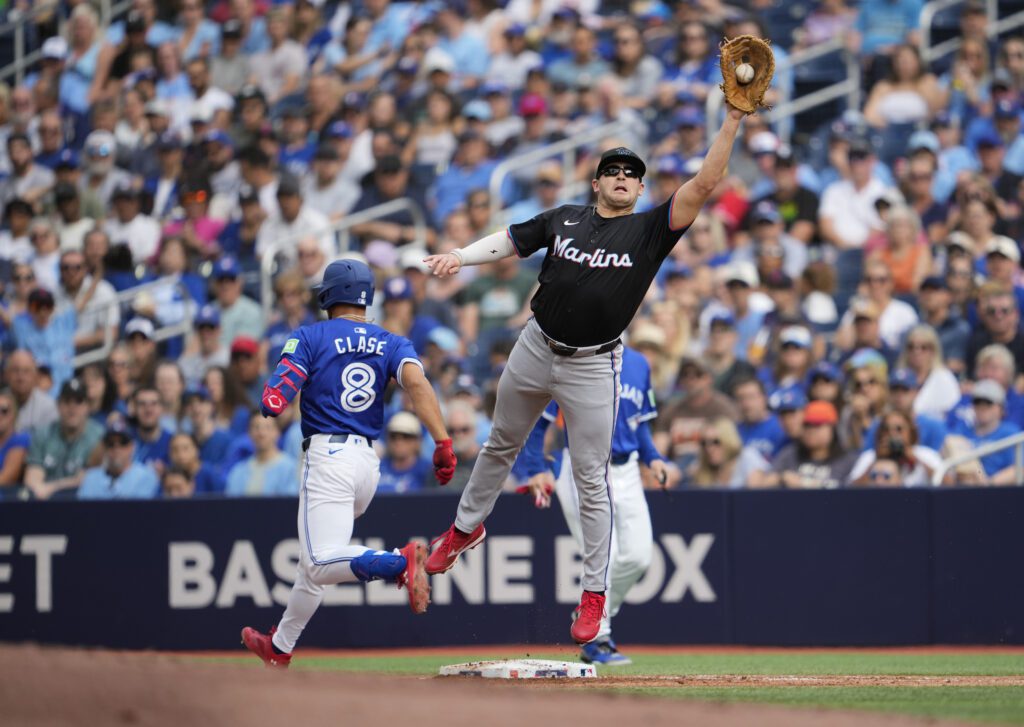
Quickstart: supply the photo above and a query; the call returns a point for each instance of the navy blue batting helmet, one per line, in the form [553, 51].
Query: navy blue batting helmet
[346, 281]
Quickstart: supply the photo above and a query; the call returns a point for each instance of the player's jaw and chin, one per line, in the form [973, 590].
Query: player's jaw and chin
[618, 200]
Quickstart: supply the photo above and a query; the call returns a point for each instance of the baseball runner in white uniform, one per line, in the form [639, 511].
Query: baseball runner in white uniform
[601, 259]
[343, 366]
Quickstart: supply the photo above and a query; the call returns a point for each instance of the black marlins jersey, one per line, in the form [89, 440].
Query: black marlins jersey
[597, 270]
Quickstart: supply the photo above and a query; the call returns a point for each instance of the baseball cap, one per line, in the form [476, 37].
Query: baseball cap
[464, 385]
[765, 211]
[41, 296]
[990, 139]
[353, 101]
[549, 172]
[196, 392]
[339, 130]
[532, 104]
[863, 308]
[248, 92]
[741, 271]
[117, 428]
[860, 148]
[404, 422]
[824, 370]
[1003, 245]
[397, 288]
[797, 335]
[157, 107]
[622, 155]
[477, 109]
[820, 412]
[493, 88]
[231, 28]
[784, 156]
[1007, 108]
[99, 144]
[444, 338]
[438, 60]
[989, 390]
[675, 269]
[411, 258]
[902, 379]
[135, 22]
[669, 165]
[933, 282]
[924, 139]
[723, 318]
[124, 190]
[226, 267]
[208, 315]
[55, 48]
[515, 30]
[764, 142]
[689, 116]
[778, 280]
[960, 239]
[288, 185]
[216, 136]
[647, 334]
[326, 153]
[201, 114]
[169, 141]
[73, 390]
[244, 345]
[68, 159]
[65, 191]
[141, 326]
[787, 400]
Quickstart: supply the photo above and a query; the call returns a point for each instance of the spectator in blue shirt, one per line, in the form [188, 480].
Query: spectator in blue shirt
[469, 170]
[184, 456]
[758, 427]
[401, 469]
[48, 336]
[883, 24]
[13, 444]
[989, 401]
[119, 477]
[152, 440]
[177, 484]
[269, 471]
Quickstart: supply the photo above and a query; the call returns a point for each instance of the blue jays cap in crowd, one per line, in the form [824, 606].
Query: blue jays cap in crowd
[766, 211]
[397, 288]
[216, 136]
[339, 130]
[226, 267]
[208, 315]
[670, 164]
[196, 392]
[933, 282]
[1007, 108]
[73, 389]
[924, 139]
[169, 140]
[117, 427]
[724, 318]
[902, 379]
[790, 399]
[676, 269]
[68, 159]
[624, 156]
[824, 370]
[689, 116]
[493, 88]
[515, 29]
[989, 138]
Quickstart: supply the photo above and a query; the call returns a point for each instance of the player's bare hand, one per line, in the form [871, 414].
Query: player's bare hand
[443, 265]
[540, 487]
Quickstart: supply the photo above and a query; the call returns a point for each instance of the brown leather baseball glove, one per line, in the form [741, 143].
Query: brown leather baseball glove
[746, 49]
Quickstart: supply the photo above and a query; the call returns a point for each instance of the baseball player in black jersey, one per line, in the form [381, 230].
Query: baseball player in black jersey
[600, 262]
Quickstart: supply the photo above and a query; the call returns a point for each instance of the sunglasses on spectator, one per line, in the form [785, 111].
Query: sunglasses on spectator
[38, 234]
[206, 327]
[401, 435]
[69, 268]
[983, 402]
[24, 278]
[859, 384]
[895, 428]
[876, 279]
[880, 476]
[615, 171]
[1002, 310]
[920, 347]
[689, 374]
[710, 443]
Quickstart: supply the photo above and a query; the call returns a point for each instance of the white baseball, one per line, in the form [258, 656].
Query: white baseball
[744, 73]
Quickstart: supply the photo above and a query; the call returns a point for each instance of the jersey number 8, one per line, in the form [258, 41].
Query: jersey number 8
[358, 394]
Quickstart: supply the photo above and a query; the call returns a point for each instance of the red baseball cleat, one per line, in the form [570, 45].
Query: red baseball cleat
[588, 617]
[262, 646]
[453, 543]
[414, 577]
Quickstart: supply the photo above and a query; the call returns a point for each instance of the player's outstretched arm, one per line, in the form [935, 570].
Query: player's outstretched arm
[488, 249]
[691, 196]
[424, 404]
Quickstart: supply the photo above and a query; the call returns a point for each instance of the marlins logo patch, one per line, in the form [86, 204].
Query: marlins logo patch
[290, 346]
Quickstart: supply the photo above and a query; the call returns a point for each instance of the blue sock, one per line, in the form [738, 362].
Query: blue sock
[377, 565]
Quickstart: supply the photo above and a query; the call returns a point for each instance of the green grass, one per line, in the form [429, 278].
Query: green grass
[980, 704]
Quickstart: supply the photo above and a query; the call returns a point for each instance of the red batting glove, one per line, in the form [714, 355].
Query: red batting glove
[444, 461]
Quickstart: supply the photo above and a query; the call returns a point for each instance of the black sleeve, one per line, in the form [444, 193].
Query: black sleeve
[659, 236]
[806, 206]
[530, 236]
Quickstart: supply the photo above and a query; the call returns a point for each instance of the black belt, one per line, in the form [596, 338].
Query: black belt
[622, 458]
[337, 439]
[561, 350]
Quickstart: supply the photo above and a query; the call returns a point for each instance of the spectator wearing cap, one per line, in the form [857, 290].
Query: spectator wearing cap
[229, 69]
[723, 461]
[130, 227]
[140, 335]
[904, 395]
[1000, 323]
[791, 361]
[152, 441]
[200, 420]
[769, 238]
[401, 469]
[144, 16]
[252, 118]
[14, 444]
[101, 177]
[280, 70]
[60, 452]
[418, 274]
[185, 456]
[239, 315]
[471, 168]
[864, 333]
[1002, 265]
[94, 301]
[400, 316]
[296, 153]
[788, 405]
[741, 281]
[35, 408]
[238, 238]
[847, 216]
[817, 459]
[293, 219]
[71, 225]
[48, 335]
[211, 351]
[27, 180]
[896, 438]
[269, 471]
[936, 306]
[131, 43]
[992, 156]
[119, 477]
[245, 366]
[825, 383]
[796, 203]
[867, 382]
[390, 180]
[162, 187]
[45, 255]
[225, 174]
[758, 427]
[505, 125]
[325, 190]
[679, 424]
[720, 354]
[51, 139]
[512, 65]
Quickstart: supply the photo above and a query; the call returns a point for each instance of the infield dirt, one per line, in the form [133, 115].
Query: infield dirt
[43, 686]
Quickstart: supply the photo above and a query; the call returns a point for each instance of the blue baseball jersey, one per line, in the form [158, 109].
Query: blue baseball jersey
[766, 436]
[348, 365]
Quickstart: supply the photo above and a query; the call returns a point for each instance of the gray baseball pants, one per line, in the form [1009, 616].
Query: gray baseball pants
[587, 392]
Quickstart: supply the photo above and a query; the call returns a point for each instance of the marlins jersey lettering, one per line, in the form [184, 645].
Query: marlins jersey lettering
[597, 269]
[636, 404]
[348, 365]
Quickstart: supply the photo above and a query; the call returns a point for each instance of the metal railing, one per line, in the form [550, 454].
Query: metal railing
[161, 333]
[567, 149]
[1016, 441]
[850, 87]
[996, 27]
[339, 228]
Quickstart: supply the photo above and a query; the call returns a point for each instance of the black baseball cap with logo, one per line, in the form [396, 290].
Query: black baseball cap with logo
[73, 390]
[622, 155]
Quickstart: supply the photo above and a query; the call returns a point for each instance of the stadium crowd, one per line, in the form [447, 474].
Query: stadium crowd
[845, 312]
